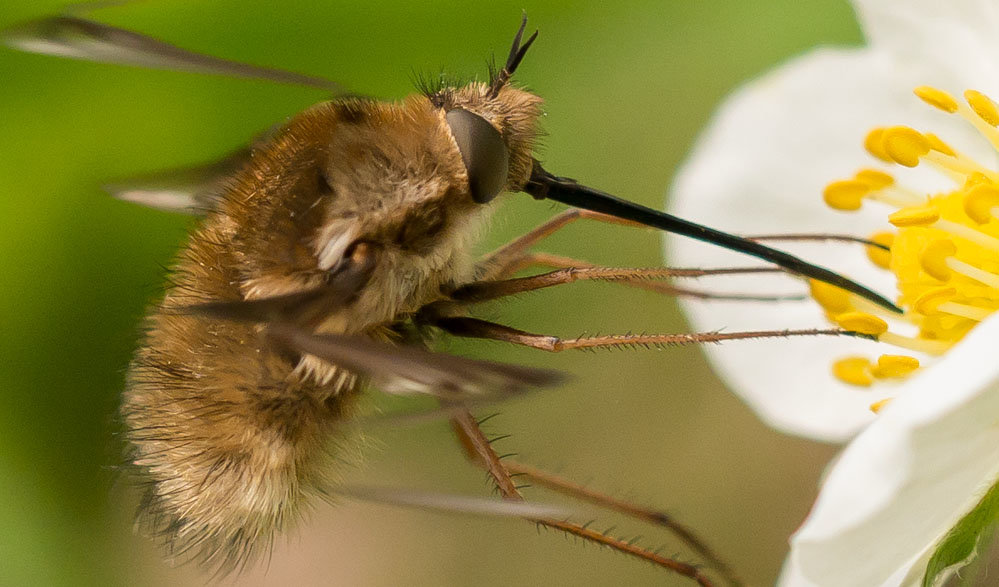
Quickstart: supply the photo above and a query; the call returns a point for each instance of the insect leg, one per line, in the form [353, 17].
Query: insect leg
[481, 291]
[481, 452]
[496, 264]
[476, 328]
[539, 259]
[575, 490]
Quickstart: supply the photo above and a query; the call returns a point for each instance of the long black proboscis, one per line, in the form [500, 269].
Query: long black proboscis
[544, 185]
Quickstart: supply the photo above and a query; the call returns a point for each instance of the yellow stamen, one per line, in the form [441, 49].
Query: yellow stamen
[874, 143]
[984, 107]
[904, 145]
[845, 194]
[943, 250]
[965, 311]
[938, 145]
[895, 366]
[929, 301]
[878, 256]
[915, 216]
[976, 179]
[966, 232]
[896, 196]
[920, 345]
[864, 305]
[972, 272]
[937, 98]
[833, 300]
[877, 406]
[957, 166]
[862, 322]
[853, 370]
[980, 120]
[933, 258]
[981, 202]
[875, 178]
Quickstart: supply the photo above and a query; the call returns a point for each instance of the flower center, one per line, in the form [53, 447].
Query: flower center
[944, 249]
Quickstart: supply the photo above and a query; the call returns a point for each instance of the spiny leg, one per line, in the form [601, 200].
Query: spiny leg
[496, 264]
[511, 257]
[583, 493]
[515, 256]
[481, 291]
[476, 328]
[479, 450]
[539, 259]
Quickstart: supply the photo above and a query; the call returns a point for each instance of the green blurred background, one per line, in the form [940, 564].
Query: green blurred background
[628, 85]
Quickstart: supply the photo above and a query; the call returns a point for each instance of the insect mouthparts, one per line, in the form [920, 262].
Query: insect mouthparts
[543, 185]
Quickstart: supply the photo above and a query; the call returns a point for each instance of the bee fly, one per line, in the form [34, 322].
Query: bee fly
[328, 249]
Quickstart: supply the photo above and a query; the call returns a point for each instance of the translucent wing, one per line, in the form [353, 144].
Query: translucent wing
[79, 38]
[402, 369]
[189, 190]
[305, 308]
[395, 369]
[447, 502]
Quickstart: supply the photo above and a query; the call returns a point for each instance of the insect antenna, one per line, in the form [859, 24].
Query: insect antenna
[517, 52]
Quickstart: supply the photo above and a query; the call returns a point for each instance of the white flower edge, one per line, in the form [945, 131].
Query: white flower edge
[946, 41]
[909, 477]
[760, 168]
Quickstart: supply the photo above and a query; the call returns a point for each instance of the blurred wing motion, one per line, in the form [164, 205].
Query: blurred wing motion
[395, 369]
[446, 502]
[80, 38]
[300, 308]
[189, 190]
[400, 369]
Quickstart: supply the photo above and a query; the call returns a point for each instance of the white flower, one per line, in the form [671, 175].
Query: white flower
[761, 168]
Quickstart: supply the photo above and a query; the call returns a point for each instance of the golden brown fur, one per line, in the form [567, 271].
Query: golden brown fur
[231, 436]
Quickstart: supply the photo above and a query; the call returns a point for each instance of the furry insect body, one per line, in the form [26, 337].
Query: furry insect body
[231, 434]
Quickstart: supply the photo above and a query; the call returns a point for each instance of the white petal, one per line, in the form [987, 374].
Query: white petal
[953, 40]
[907, 479]
[760, 168]
[909, 574]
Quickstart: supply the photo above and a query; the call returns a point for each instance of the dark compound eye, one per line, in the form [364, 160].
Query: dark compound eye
[482, 151]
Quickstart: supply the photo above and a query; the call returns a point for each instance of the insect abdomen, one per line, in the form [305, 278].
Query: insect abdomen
[226, 437]
[227, 444]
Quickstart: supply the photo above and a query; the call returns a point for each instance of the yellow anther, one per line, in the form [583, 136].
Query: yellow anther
[905, 145]
[833, 300]
[878, 256]
[980, 201]
[853, 370]
[937, 98]
[928, 302]
[894, 366]
[862, 322]
[933, 258]
[845, 194]
[976, 178]
[938, 145]
[877, 406]
[915, 216]
[874, 143]
[875, 178]
[983, 106]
